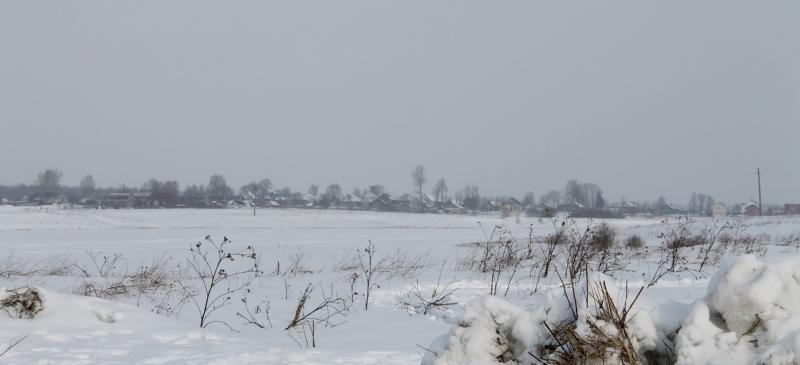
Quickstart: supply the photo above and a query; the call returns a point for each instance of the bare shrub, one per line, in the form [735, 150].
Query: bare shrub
[672, 254]
[153, 276]
[106, 278]
[55, 266]
[370, 267]
[603, 237]
[552, 241]
[710, 253]
[579, 252]
[754, 244]
[305, 322]
[22, 303]
[791, 239]
[500, 255]
[212, 264]
[404, 264]
[297, 264]
[607, 256]
[253, 316]
[421, 303]
[634, 242]
[347, 263]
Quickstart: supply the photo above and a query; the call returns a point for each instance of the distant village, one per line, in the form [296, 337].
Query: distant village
[580, 200]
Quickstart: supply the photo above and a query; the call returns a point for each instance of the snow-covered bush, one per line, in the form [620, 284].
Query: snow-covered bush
[572, 324]
[749, 316]
[491, 331]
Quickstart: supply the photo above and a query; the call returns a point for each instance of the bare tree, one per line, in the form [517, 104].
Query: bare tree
[661, 203]
[440, 191]
[50, 180]
[693, 203]
[377, 190]
[333, 192]
[313, 190]
[264, 187]
[87, 186]
[249, 190]
[529, 200]
[419, 179]
[471, 197]
[218, 187]
[551, 199]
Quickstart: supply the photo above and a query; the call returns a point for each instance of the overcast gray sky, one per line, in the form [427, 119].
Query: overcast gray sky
[645, 98]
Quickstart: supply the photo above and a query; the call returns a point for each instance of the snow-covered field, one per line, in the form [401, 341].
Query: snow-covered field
[69, 252]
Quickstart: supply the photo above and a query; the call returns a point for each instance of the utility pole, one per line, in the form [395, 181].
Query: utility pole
[758, 174]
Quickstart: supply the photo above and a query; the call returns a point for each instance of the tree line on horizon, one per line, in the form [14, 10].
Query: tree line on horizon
[47, 187]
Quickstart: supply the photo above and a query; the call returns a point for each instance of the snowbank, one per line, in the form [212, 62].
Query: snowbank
[493, 331]
[82, 330]
[748, 316]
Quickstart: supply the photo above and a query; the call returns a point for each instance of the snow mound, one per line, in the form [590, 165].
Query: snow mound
[493, 331]
[79, 330]
[749, 315]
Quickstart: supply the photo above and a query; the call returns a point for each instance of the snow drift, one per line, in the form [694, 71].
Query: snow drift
[748, 316]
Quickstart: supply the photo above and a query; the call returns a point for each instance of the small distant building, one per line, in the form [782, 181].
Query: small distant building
[452, 207]
[751, 209]
[384, 203]
[404, 203]
[791, 209]
[351, 201]
[671, 209]
[570, 207]
[626, 208]
[510, 207]
[119, 200]
[492, 206]
[191, 201]
[718, 210]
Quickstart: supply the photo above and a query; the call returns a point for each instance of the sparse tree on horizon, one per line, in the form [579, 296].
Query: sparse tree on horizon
[600, 203]
[377, 190]
[49, 180]
[471, 197]
[333, 192]
[529, 200]
[440, 191]
[419, 179]
[264, 187]
[313, 190]
[87, 186]
[551, 199]
[218, 187]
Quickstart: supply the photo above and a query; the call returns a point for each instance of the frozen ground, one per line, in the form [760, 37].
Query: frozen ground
[298, 248]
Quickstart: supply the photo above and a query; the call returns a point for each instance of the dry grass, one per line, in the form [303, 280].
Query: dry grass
[607, 338]
[12, 266]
